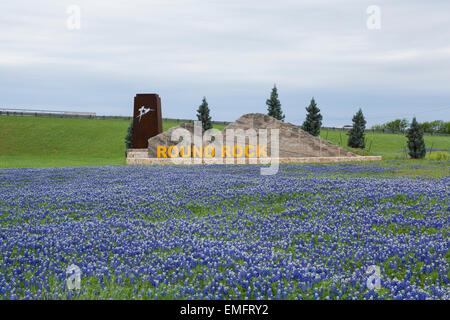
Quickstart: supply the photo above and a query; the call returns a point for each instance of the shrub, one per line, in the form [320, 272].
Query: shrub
[129, 138]
[356, 134]
[438, 156]
[313, 120]
[203, 115]
[416, 144]
[274, 105]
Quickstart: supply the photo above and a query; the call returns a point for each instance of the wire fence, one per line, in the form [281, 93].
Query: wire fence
[385, 131]
[46, 113]
[192, 121]
[88, 115]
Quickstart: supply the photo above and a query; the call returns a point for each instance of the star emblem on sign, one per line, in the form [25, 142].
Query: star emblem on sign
[143, 111]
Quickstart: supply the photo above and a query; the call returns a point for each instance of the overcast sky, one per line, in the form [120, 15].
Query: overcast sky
[232, 52]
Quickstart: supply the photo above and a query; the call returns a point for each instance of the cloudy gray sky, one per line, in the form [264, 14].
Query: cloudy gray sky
[232, 52]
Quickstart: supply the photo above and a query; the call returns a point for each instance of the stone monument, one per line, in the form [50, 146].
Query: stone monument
[147, 119]
[250, 142]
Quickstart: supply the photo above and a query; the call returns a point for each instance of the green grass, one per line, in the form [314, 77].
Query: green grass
[386, 145]
[59, 142]
[417, 168]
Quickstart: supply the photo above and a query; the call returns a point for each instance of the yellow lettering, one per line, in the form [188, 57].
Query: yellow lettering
[241, 151]
[262, 152]
[171, 153]
[247, 154]
[161, 153]
[226, 152]
[188, 154]
[198, 151]
[211, 153]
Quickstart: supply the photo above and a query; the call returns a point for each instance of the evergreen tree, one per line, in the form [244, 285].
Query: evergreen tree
[356, 134]
[203, 115]
[274, 105]
[416, 144]
[313, 120]
[129, 138]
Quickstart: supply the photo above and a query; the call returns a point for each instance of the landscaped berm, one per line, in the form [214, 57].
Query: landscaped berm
[254, 141]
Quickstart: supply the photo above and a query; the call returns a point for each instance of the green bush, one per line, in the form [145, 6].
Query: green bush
[356, 133]
[129, 138]
[274, 105]
[203, 115]
[416, 144]
[313, 120]
[438, 156]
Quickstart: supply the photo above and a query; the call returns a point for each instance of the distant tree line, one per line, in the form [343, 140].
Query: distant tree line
[400, 125]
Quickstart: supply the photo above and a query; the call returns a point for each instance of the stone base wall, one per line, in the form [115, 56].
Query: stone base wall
[140, 157]
[137, 153]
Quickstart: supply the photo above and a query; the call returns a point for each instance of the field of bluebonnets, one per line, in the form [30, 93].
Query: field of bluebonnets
[215, 232]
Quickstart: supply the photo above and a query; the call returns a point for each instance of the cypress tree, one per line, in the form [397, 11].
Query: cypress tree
[274, 105]
[203, 115]
[416, 144]
[356, 134]
[129, 138]
[313, 120]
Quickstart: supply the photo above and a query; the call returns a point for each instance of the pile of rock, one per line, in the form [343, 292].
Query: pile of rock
[293, 141]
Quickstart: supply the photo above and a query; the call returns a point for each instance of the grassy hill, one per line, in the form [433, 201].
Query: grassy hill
[48, 142]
